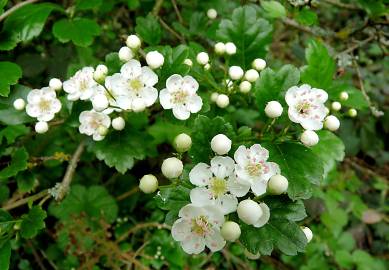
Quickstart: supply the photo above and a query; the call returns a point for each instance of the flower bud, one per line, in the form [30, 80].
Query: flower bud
[100, 73]
[273, 109]
[125, 54]
[343, 96]
[207, 66]
[230, 231]
[55, 84]
[332, 123]
[118, 123]
[352, 112]
[249, 211]
[245, 87]
[188, 62]
[100, 102]
[259, 64]
[230, 48]
[308, 233]
[148, 183]
[220, 48]
[41, 127]
[222, 101]
[214, 96]
[235, 72]
[154, 59]
[309, 138]
[102, 130]
[133, 42]
[336, 106]
[172, 167]
[221, 144]
[251, 75]
[277, 184]
[182, 142]
[202, 58]
[212, 13]
[19, 104]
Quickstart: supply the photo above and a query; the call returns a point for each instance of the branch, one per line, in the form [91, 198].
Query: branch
[127, 194]
[358, 45]
[16, 7]
[180, 19]
[342, 5]
[157, 7]
[300, 27]
[169, 29]
[23, 201]
[142, 226]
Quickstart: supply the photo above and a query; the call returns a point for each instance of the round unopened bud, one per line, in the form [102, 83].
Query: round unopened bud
[102, 130]
[138, 105]
[41, 127]
[125, 54]
[133, 42]
[207, 66]
[277, 184]
[343, 96]
[221, 144]
[336, 106]
[273, 109]
[352, 112]
[212, 13]
[251, 256]
[172, 167]
[230, 231]
[55, 84]
[154, 59]
[309, 138]
[245, 87]
[249, 211]
[222, 101]
[103, 69]
[220, 48]
[259, 64]
[182, 142]
[188, 62]
[19, 104]
[202, 58]
[100, 102]
[251, 75]
[332, 123]
[214, 96]
[327, 110]
[235, 72]
[308, 233]
[148, 183]
[118, 123]
[230, 48]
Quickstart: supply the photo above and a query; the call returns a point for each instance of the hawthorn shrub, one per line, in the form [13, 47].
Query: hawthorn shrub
[193, 134]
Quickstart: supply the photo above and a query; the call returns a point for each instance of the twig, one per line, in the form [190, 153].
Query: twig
[36, 256]
[142, 226]
[25, 200]
[171, 31]
[157, 7]
[357, 45]
[180, 19]
[127, 194]
[16, 7]
[342, 5]
[296, 25]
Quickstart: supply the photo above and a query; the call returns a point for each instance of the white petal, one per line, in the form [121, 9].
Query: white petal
[193, 245]
[214, 240]
[149, 78]
[181, 112]
[293, 114]
[190, 211]
[227, 203]
[190, 84]
[180, 229]
[32, 110]
[241, 156]
[164, 99]
[200, 175]
[124, 102]
[311, 124]
[34, 96]
[149, 95]
[291, 95]
[259, 187]
[131, 69]
[194, 103]
[238, 188]
[265, 216]
[242, 174]
[45, 117]
[259, 153]
[201, 196]
[319, 95]
[214, 214]
[97, 137]
[222, 167]
[174, 82]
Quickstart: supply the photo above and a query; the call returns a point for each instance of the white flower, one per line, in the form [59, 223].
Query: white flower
[198, 227]
[336, 106]
[172, 167]
[332, 123]
[41, 127]
[308, 233]
[19, 104]
[259, 64]
[277, 184]
[55, 84]
[182, 142]
[154, 59]
[180, 96]
[273, 109]
[230, 231]
[235, 72]
[42, 104]
[221, 144]
[306, 106]
[222, 101]
[202, 58]
[251, 75]
[217, 185]
[212, 13]
[81, 85]
[230, 48]
[245, 87]
[220, 48]
[133, 42]
[309, 138]
[252, 167]
[125, 54]
[133, 86]
[92, 124]
[118, 123]
[148, 183]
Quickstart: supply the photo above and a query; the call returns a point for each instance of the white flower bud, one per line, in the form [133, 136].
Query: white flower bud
[332, 123]
[259, 64]
[308, 233]
[222, 101]
[251, 75]
[221, 144]
[102, 130]
[309, 138]
[118, 123]
[125, 54]
[277, 184]
[235, 72]
[230, 231]
[352, 112]
[55, 84]
[103, 69]
[19, 104]
[245, 87]
[202, 58]
[214, 96]
[251, 256]
[230, 48]
[336, 106]
[148, 183]
[154, 59]
[41, 127]
[207, 66]
[327, 110]
[182, 142]
[138, 105]
[273, 109]
[172, 167]
[212, 13]
[100, 102]
[188, 62]
[220, 48]
[343, 96]
[249, 211]
[133, 42]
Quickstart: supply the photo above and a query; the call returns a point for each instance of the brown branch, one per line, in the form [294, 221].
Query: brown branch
[142, 226]
[357, 45]
[298, 26]
[157, 7]
[32, 198]
[127, 194]
[171, 30]
[16, 7]
[180, 19]
[342, 5]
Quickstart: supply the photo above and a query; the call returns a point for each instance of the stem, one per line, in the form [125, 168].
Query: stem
[170, 30]
[16, 7]
[358, 45]
[157, 7]
[296, 25]
[341, 5]
[142, 226]
[127, 194]
[20, 202]
[180, 19]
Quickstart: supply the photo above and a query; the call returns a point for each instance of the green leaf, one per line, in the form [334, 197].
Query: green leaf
[248, 32]
[32, 222]
[95, 201]
[321, 67]
[335, 219]
[8, 114]
[273, 9]
[174, 62]
[120, 149]
[272, 85]
[329, 150]
[10, 74]
[306, 17]
[296, 163]
[80, 31]
[373, 7]
[356, 99]
[164, 131]
[5, 255]
[18, 163]
[113, 62]
[13, 132]
[25, 23]
[149, 29]
[281, 206]
[88, 4]
[133, 4]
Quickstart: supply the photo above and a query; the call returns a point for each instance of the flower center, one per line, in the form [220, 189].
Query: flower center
[44, 105]
[135, 85]
[218, 186]
[179, 96]
[200, 225]
[254, 169]
[83, 85]
[303, 107]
